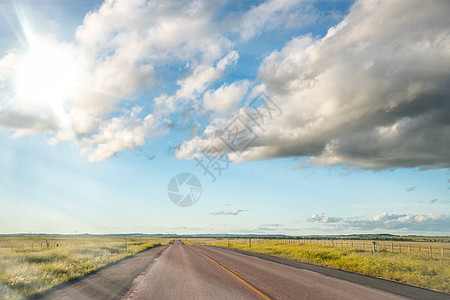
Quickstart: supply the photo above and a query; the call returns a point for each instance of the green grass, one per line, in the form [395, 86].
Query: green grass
[27, 269]
[432, 273]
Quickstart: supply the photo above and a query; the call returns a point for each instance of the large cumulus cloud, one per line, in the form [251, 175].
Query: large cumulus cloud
[373, 93]
[124, 48]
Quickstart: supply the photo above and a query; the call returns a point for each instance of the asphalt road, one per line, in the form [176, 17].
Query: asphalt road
[205, 272]
[108, 283]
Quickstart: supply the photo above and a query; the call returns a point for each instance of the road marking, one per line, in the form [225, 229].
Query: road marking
[235, 274]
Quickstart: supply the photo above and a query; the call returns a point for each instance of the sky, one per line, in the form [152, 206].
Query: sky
[267, 117]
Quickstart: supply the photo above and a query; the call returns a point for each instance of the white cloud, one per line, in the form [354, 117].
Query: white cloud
[373, 93]
[26, 122]
[120, 49]
[194, 85]
[323, 219]
[228, 213]
[225, 97]
[269, 14]
[125, 41]
[431, 222]
[393, 221]
[154, 30]
[117, 134]
[7, 64]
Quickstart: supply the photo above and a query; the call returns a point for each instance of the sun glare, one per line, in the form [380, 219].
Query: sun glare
[45, 77]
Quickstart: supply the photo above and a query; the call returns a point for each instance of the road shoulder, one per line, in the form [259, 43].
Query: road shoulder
[109, 282]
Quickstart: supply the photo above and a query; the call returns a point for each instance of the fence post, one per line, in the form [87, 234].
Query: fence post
[363, 245]
[431, 254]
[399, 248]
[250, 243]
[409, 248]
[442, 251]
[392, 247]
[419, 249]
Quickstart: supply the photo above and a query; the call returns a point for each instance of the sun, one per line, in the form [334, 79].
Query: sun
[45, 76]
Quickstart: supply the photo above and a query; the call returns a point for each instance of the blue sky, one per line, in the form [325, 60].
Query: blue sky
[102, 104]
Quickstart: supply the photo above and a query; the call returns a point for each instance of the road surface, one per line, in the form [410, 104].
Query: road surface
[108, 283]
[205, 272]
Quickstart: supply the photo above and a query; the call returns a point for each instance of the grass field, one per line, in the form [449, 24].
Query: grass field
[33, 264]
[417, 269]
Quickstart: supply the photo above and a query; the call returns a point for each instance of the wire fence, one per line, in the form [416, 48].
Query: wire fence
[425, 249]
[56, 244]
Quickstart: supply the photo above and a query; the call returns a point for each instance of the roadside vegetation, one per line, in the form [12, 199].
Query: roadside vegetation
[34, 264]
[415, 269]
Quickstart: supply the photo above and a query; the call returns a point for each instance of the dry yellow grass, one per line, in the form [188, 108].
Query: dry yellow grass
[27, 269]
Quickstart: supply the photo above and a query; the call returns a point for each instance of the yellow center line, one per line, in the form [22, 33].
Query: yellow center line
[237, 275]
